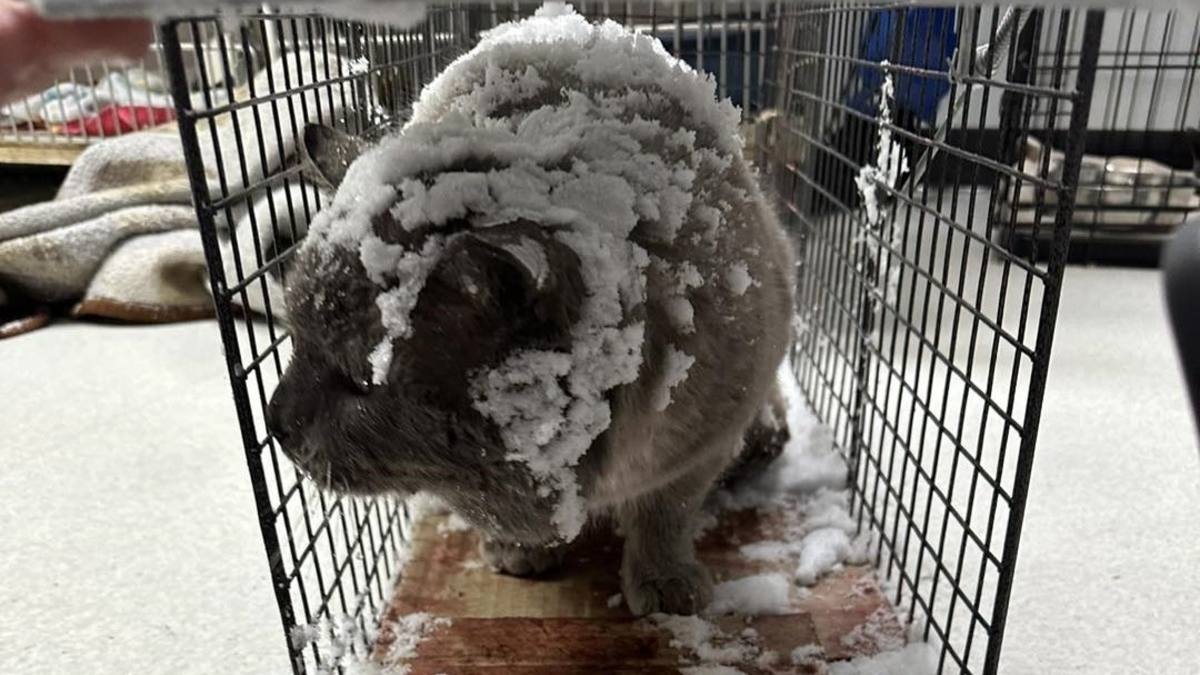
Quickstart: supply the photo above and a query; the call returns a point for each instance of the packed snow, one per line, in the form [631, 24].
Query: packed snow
[675, 370]
[876, 181]
[557, 121]
[917, 658]
[756, 595]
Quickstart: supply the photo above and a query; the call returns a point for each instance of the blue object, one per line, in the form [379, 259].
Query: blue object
[922, 37]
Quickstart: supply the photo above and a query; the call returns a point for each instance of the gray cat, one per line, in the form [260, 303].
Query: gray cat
[367, 408]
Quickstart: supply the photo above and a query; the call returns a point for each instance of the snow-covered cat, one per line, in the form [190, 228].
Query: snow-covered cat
[558, 294]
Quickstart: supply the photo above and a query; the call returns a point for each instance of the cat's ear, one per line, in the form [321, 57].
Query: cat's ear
[528, 270]
[327, 153]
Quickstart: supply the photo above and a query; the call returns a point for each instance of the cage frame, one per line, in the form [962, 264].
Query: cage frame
[1052, 277]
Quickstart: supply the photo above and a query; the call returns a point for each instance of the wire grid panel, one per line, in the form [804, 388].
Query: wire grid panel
[333, 559]
[1138, 179]
[924, 341]
[93, 102]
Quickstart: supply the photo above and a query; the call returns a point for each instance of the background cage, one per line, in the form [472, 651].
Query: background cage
[926, 299]
[104, 99]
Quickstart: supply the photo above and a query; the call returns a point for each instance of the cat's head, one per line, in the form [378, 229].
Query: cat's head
[491, 292]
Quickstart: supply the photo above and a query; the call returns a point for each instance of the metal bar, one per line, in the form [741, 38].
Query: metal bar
[169, 37]
[1080, 109]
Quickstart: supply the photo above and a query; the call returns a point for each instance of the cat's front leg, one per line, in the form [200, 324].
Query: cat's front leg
[659, 571]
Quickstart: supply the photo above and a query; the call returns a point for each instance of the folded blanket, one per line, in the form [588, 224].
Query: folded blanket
[120, 239]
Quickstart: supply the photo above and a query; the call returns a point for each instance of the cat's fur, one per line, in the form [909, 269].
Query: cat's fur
[488, 298]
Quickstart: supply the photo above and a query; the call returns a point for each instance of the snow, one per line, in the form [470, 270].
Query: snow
[917, 658]
[453, 523]
[679, 309]
[738, 278]
[807, 654]
[675, 370]
[410, 631]
[877, 634]
[711, 670]
[396, 304]
[757, 595]
[704, 643]
[875, 179]
[821, 551]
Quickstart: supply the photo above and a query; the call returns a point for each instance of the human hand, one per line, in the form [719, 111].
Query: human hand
[34, 52]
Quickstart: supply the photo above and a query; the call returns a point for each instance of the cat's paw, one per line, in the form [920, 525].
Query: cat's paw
[679, 588]
[520, 560]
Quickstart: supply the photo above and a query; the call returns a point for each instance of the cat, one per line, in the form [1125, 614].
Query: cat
[506, 308]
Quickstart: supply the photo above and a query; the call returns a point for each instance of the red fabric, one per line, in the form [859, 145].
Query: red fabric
[119, 119]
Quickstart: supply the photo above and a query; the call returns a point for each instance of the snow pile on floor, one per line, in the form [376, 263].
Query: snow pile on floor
[917, 658]
[346, 647]
[757, 595]
[807, 487]
[807, 484]
[708, 650]
[560, 122]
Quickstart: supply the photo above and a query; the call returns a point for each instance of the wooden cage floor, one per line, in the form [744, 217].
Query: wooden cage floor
[566, 625]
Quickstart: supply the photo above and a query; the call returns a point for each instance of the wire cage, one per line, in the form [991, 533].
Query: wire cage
[332, 559]
[897, 141]
[926, 330]
[1138, 179]
[99, 100]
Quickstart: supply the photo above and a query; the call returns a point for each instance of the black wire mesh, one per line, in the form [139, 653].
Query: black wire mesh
[255, 82]
[1138, 181]
[924, 338]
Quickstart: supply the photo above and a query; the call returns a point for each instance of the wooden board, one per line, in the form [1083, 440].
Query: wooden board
[568, 624]
[39, 147]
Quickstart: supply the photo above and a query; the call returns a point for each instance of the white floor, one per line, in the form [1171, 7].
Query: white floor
[128, 542]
